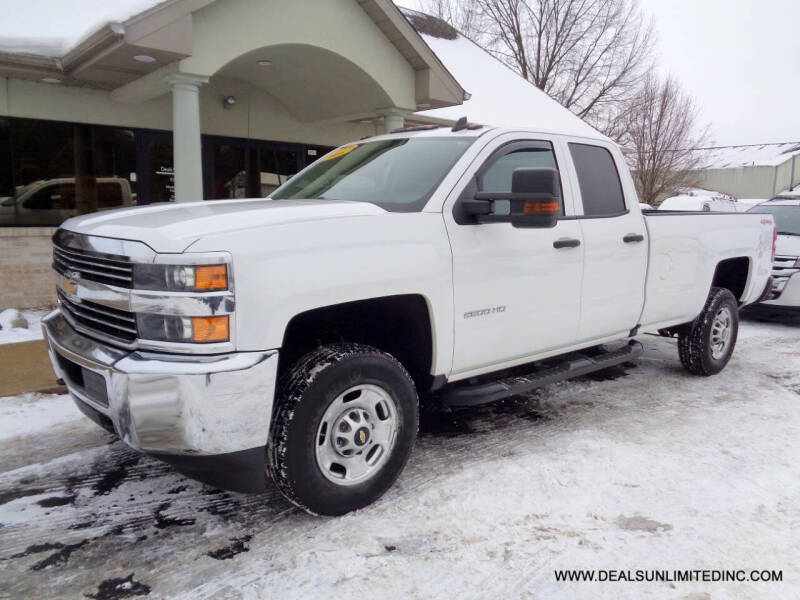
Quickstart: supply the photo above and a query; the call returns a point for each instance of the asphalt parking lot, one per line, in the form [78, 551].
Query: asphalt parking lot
[639, 467]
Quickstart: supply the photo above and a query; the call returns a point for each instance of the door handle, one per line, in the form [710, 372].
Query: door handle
[566, 243]
[633, 237]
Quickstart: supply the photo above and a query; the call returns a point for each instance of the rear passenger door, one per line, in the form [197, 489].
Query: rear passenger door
[615, 240]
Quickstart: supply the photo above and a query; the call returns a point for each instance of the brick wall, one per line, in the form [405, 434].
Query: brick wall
[26, 279]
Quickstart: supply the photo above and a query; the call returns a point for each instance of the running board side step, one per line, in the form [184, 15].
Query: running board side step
[575, 366]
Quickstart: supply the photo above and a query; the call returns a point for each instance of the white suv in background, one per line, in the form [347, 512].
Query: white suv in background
[785, 294]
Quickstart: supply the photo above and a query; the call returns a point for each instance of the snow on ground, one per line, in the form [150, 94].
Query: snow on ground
[10, 335]
[32, 413]
[638, 467]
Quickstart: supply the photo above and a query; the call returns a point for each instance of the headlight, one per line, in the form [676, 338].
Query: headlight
[173, 328]
[180, 278]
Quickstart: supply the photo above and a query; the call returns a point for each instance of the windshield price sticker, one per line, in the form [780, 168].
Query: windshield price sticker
[341, 152]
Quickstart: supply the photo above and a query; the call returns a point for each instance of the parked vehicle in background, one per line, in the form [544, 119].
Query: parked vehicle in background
[745, 204]
[52, 201]
[699, 203]
[293, 336]
[785, 293]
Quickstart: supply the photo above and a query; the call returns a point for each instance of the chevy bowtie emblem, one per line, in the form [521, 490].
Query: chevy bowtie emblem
[69, 284]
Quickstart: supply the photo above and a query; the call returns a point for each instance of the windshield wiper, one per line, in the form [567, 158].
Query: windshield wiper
[788, 233]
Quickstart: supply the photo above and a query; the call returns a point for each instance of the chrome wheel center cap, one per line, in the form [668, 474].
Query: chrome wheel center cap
[352, 432]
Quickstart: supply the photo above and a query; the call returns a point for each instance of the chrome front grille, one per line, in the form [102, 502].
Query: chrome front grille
[782, 263]
[98, 297]
[118, 324]
[93, 266]
[783, 267]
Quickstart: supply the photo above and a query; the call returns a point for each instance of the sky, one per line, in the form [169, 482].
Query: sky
[740, 59]
[23, 28]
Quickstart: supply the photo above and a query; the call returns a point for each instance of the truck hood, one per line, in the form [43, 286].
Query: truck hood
[788, 245]
[174, 227]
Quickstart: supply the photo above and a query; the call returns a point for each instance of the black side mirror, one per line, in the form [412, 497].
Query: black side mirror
[534, 200]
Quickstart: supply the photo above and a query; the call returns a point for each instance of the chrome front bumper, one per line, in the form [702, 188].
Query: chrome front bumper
[168, 403]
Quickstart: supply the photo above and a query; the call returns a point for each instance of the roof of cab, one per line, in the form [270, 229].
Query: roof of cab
[446, 131]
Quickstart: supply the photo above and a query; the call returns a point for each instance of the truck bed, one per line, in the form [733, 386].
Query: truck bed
[685, 250]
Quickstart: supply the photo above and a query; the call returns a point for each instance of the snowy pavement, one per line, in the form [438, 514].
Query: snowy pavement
[640, 467]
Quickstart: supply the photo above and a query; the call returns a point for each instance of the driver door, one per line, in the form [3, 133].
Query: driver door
[516, 290]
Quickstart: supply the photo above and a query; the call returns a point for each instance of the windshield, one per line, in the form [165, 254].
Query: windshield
[398, 175]
[787, 218]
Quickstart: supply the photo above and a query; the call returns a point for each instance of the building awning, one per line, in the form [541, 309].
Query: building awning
[141, 38]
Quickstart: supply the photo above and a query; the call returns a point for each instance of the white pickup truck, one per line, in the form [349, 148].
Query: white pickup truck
[293, 336]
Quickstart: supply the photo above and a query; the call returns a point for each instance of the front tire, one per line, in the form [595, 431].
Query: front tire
[706, 346]
[346, 421]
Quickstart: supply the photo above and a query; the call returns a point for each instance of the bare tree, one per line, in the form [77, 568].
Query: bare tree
[660, 128]
[461, 14]
[589, 55]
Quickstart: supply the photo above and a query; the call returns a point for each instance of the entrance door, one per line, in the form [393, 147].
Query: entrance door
[240, 168]
[155, 167]
[273, 165]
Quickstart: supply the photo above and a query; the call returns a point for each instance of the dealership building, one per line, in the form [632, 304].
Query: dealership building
[188, 100]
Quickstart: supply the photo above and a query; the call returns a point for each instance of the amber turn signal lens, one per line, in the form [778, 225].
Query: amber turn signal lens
[210, 329]
[213, 277]
[540, 207]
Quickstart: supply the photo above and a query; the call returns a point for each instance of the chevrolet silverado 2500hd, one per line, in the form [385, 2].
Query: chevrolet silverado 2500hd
[292, 336]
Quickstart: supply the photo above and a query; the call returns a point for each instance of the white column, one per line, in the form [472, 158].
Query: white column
[393, 118]
[187, 159]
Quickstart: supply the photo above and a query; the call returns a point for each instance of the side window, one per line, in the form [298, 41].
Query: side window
[52, 197]
[496, 174]
[109, 195]
[601, 189]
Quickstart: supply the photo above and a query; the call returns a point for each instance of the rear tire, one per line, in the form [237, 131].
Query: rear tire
[706, 345]
[346, 421]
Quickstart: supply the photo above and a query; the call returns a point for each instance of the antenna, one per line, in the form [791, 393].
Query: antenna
[460, 124]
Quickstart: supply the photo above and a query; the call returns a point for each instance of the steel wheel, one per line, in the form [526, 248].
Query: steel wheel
[356, 434]
[721, 328]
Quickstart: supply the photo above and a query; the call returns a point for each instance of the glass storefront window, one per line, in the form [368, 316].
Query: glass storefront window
[59, 170]
[6, 183]
[275, 167]
[158, 177]
[229, 178]
[51, 170]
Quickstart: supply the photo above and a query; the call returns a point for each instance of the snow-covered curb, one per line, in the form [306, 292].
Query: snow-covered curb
[32, 413]
[18, 334]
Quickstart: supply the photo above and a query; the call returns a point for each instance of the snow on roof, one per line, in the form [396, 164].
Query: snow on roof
[50, 28]
[747, 156]
[499, 96]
